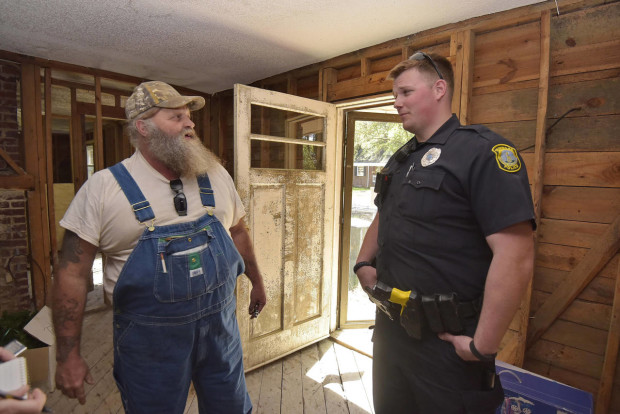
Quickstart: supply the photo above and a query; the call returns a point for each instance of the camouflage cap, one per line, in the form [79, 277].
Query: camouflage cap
[155, 93]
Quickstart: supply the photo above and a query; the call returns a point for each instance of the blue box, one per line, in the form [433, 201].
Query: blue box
[529, 393]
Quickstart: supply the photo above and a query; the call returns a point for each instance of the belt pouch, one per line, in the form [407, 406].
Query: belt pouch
[431, 310]
[448, 309]
[412, 318]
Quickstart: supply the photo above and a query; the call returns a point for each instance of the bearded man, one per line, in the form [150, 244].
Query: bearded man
[170, 225]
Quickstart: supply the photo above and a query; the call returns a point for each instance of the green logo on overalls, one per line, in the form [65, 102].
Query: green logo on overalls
[195, 265]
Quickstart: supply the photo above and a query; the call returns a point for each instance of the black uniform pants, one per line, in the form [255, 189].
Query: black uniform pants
[427, 376]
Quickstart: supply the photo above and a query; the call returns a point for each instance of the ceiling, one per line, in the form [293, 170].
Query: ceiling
[208, 45]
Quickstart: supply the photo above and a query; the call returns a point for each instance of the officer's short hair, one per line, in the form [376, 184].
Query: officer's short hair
[424, 66]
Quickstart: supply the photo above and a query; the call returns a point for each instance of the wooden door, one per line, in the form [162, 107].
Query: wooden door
[285, 168]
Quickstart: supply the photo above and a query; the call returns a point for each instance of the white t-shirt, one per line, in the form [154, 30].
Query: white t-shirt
[101, 214]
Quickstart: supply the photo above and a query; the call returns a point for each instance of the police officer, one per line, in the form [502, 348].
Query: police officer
[455, 218]
[170, 223]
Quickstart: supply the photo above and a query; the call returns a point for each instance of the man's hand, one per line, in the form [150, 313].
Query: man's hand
[258, 299]
[241, 238]
[70, 377]
[461, 345]
[367, 276]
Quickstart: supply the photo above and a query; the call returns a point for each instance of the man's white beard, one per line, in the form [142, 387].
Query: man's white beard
[181, 155]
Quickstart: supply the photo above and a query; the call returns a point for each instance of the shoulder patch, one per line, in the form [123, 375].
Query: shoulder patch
[507, 158]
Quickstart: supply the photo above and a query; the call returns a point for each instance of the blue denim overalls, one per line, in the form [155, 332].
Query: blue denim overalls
[174, 313]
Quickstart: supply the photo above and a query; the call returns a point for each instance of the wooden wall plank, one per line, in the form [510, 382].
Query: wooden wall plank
[583, 40]
[353, 71]
[99, 149]
[350, 84]
[507, 55]
[584, 169]
[594, 97]
[585, 338]
[585, 27]
[456, 52]
[363, 86]
[536, 177]
[505, 87]
[49, 172]
[599, 290]
[518, 105]
[576, 280]
[35, 165]
[327, 77]
[582, 312]
[78, 155]
[570, 233]
[308, 86]
[567, 258]
[591, 133]
[521, 133]
[106, 110]
[586, 58]
[566, 357]
[510, 345]
[540, 146]
[597, 205]
[384, 63]
[603, 398]
[467, 76]
[17, 182]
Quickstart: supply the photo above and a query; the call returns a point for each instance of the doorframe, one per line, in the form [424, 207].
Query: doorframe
[348, 169]
[341, 124]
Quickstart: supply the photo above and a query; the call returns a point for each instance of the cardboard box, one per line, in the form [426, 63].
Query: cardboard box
[529, 393]
[42, 361]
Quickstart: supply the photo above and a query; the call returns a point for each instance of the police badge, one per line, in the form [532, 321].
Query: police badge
[507, 158]
[431, 156]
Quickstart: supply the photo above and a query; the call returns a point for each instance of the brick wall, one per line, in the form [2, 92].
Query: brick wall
[14, 286]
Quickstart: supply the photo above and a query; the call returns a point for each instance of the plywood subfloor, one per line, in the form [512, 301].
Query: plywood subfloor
[322, 378]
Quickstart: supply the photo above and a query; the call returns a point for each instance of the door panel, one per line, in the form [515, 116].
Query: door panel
[285, 168]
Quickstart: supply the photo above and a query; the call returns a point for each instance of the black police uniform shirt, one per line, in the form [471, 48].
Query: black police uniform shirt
[463, 184]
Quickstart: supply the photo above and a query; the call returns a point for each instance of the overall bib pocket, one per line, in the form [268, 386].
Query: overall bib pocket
[189, 266]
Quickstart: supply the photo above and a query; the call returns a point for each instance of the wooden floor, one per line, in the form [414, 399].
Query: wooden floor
[323, 378]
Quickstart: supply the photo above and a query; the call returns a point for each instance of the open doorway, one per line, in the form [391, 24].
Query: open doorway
[372, 136]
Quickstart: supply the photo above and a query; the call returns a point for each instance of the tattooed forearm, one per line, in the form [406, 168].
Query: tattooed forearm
[71, 249]
[67, 312]
[65, 344]
[67, 317]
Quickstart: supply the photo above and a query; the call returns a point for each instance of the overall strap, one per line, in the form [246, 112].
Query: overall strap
[141, 207]
[206, 193]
